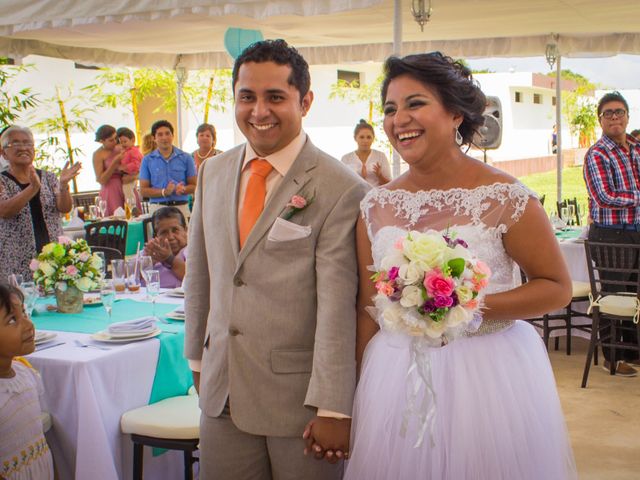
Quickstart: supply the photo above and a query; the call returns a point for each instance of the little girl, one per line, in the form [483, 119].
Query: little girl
[24, 453]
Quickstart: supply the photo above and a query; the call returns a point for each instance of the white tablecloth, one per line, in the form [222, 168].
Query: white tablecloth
[87, 390]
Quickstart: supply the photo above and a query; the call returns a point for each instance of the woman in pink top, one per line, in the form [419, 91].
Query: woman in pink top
[106, 163]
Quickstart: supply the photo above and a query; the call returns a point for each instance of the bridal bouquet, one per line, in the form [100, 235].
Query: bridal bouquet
[67, 263]
[430, 285]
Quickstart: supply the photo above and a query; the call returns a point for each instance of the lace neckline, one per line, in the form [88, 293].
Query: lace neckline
[454, 189]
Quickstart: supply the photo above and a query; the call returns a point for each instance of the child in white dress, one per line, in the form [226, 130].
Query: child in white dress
[24, 453]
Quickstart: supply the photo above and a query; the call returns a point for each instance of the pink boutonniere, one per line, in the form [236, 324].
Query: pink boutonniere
[295, 205]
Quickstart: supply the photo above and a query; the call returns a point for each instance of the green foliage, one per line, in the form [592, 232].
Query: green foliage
[579, 107]
[572, 186]
[12, 105]
[195, 90]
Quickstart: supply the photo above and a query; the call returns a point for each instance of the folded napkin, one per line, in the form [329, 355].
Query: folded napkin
[180, 310]
[119, 212]
[75, 222]
[141, 324]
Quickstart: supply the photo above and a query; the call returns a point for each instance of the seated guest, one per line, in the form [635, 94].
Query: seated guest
[31, 203]
[168, 248]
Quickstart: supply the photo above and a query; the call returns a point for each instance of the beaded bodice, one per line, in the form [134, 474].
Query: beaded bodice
[480, 216]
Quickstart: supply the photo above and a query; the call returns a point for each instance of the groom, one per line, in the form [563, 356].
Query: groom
[272, 281]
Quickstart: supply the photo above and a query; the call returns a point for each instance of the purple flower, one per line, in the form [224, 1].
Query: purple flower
[428, 306]
[461, 242]
[454, 297]
[393, 273]
[440, 301]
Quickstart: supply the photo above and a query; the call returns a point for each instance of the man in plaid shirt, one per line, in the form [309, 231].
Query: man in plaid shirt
[612, 175]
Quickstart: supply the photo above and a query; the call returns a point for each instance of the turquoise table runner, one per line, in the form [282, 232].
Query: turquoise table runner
[568, 234]
[173, 376]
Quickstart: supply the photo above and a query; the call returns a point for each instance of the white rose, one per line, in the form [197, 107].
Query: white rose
[96, 261]
[464, 293]
[62, 286]
[84, 284]
[434, 329]
[458, 315]
[411, 297]
[459, 252]
[410, 273]
[392, 316]
[427, 250]
[396, 259]
[47, 268]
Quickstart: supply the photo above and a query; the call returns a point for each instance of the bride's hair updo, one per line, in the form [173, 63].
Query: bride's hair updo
[451, 81]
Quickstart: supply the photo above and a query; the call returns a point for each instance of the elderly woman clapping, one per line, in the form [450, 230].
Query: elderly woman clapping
[31, 203]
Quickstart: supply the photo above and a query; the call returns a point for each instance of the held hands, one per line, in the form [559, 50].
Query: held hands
[158, 249]
[34, 180]
[180, 189]
[67, 173]
[327, 438]
[377, 169]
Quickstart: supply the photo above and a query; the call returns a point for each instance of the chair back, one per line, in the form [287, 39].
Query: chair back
[145, 206]
[612, 268]
[85, 199]
[110, 233]
[147, 229]
[109, 255]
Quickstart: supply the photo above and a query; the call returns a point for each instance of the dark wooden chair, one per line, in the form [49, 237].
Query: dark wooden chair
[147, 229]
[85, 199]
[542, 199]
[580, 293]
[615, 286]
[575, 219]
[110, 233]
[145, 205]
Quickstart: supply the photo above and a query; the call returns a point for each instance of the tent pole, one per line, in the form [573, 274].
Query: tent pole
[559, 128]
[397, 50]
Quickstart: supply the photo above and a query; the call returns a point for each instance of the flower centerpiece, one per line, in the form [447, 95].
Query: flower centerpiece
[430, 285]
[68, 268]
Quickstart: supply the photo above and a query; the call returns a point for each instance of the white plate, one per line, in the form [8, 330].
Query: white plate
[131, 334]
[106, 337]
[44, 337]
[175, 316]
[176, 292]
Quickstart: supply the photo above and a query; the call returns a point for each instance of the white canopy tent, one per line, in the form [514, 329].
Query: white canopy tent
[165, 33]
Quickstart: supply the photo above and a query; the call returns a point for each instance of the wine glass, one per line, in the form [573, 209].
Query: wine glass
[102, 206]
[564, 215]
[571, 212]
[146, 264]
[108, 296]
[153, 288]
[30, 292]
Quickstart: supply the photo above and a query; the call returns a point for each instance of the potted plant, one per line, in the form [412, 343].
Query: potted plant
[68, 268]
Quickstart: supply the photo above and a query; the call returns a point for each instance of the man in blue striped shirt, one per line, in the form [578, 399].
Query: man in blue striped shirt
[612, 175]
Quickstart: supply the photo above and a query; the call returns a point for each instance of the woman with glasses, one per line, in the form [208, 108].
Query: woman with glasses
[31, 203]
[106, 163]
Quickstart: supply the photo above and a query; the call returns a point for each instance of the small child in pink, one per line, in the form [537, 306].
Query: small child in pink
[130, 163]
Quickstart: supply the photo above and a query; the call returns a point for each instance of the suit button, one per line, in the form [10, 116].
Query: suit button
[233, 331]
[237, 281]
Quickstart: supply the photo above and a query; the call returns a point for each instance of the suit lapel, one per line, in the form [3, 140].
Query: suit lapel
[233, 193]
[294, 182]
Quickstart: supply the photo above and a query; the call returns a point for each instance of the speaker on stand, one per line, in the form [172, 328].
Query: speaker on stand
[489, 135]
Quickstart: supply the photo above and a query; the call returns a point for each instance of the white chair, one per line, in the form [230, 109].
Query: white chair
[173, 423]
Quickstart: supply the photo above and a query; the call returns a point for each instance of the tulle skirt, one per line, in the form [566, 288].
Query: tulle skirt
[497, 412]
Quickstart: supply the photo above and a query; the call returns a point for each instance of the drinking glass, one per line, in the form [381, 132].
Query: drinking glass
[30, 292]
[133, 274]
[103, 267]
[564, 215]
[146, 264]
[118, 274]
[153, 288]
[571, 212]
[102, 206]
[15, 279]
[108, 296]
[93, 212]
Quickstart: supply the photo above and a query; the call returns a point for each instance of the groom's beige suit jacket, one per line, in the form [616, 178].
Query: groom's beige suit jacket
[274, 323]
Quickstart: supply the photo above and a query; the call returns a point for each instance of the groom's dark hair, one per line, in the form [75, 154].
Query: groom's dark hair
[280, 53]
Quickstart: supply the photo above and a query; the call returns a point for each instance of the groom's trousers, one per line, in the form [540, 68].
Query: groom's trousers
[227, 453]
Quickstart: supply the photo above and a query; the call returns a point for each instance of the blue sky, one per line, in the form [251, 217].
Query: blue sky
[619, 72]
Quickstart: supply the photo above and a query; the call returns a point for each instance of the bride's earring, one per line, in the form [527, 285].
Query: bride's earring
[459, 138]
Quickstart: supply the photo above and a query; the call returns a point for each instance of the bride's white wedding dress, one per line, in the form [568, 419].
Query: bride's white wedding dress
[497, 411]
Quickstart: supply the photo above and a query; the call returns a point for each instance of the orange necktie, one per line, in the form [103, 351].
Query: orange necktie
[254, 196]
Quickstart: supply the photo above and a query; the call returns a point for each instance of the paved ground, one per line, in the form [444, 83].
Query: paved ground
[603, 419]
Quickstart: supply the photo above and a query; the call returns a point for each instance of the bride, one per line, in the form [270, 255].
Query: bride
[496, 411]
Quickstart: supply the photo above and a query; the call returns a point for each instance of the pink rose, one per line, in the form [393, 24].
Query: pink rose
[471, 304]
[64, 240]
[71, 270]
[437, 285]
[34, 264]
[481, 268]
[479, 283]
[399, 245]
[84, 256]
[298, 201]
[384, 288]
[393, 273]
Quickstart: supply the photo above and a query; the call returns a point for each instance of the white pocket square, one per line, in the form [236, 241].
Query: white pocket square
[283, 231]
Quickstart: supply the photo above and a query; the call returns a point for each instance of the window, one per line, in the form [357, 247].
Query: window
[537, 98]
[352, 78]
[553, 101]
[518, 97]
